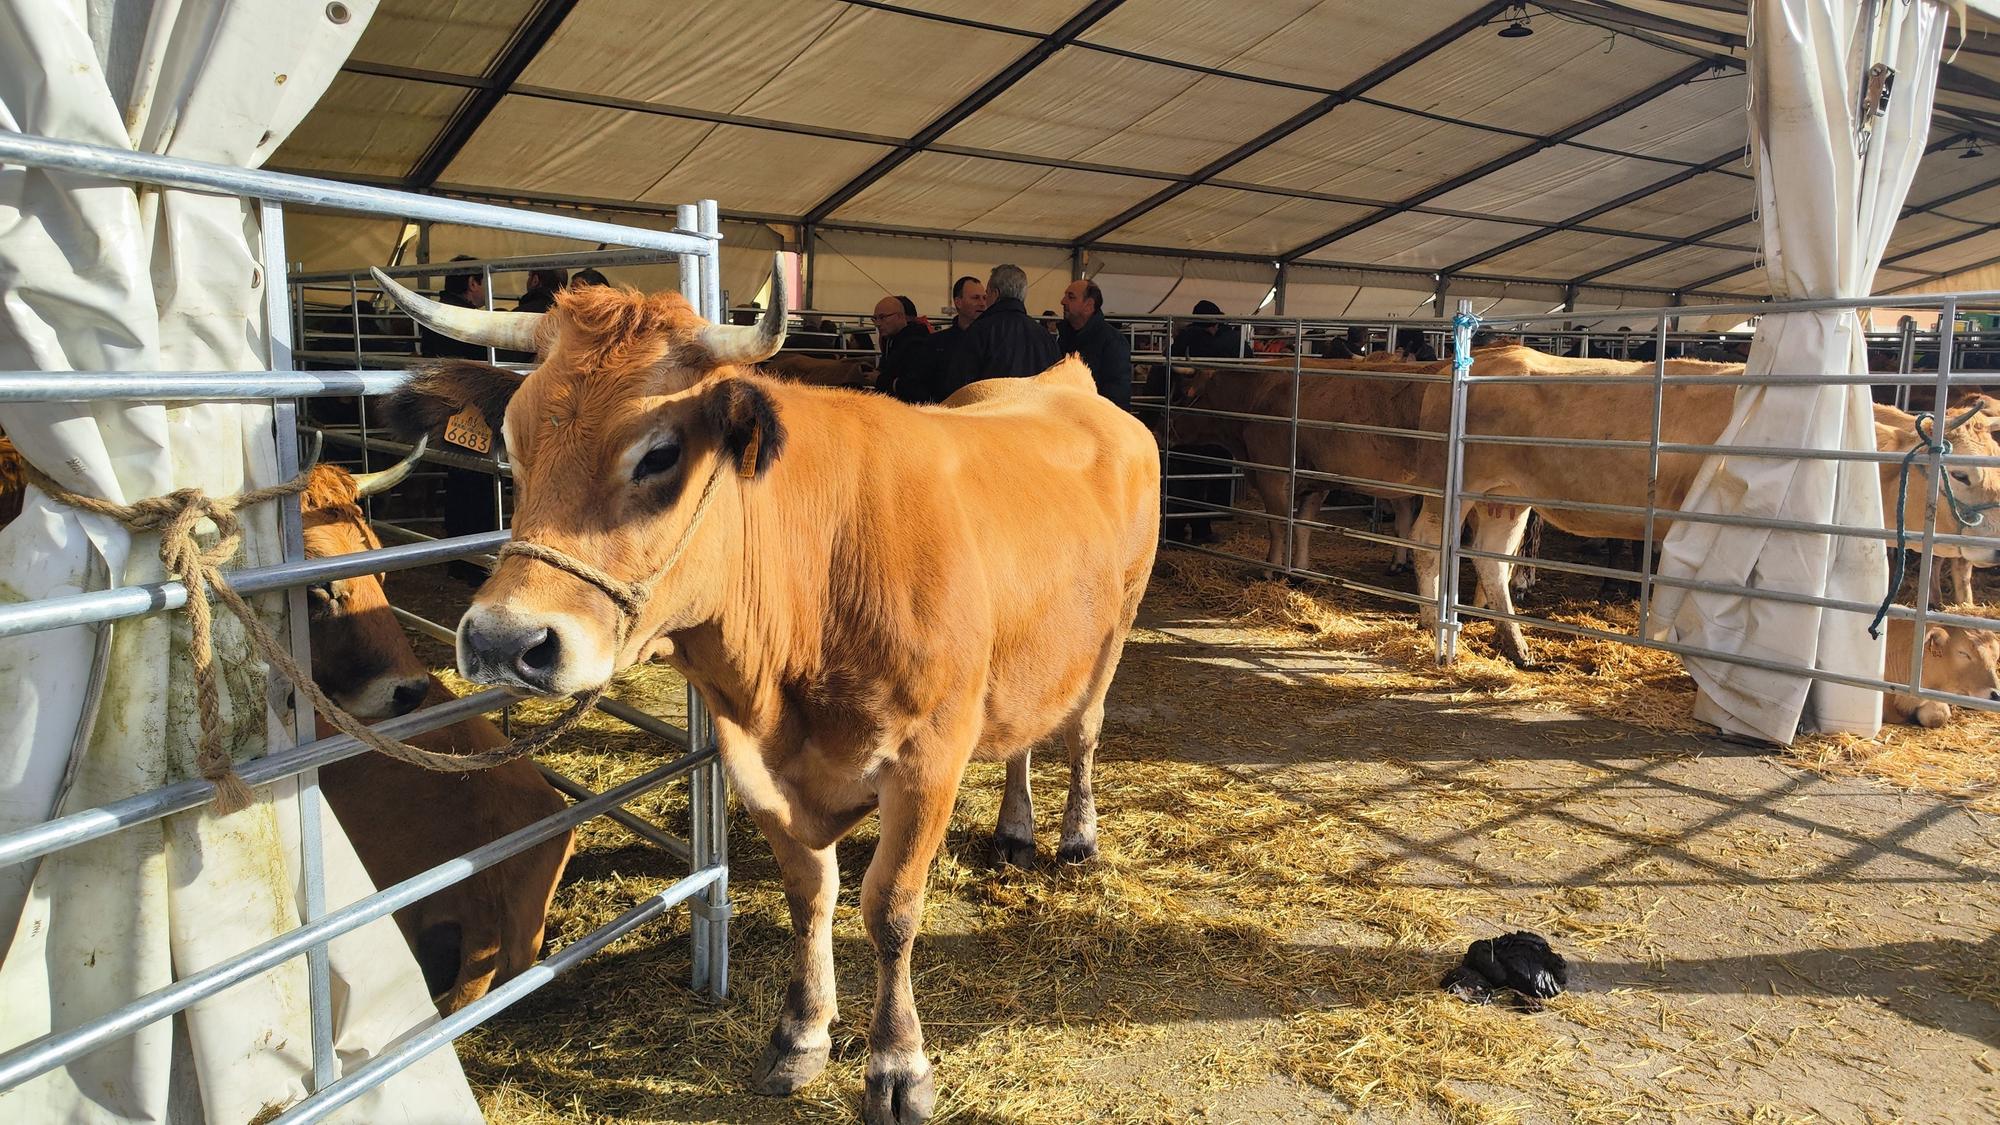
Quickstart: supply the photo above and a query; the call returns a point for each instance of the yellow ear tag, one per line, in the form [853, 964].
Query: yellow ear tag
[747, 468]
[468, 428]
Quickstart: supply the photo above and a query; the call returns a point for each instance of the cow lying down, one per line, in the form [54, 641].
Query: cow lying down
[1960, 661]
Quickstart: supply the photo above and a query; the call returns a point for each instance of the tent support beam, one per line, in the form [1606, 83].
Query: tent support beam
[526, 44]
[1299, 120]
[1618, 109]
[970, 104]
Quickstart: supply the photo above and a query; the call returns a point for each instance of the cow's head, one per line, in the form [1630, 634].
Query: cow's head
[1960, 661]
[1970, 431]
[360, 656]
[636, 410]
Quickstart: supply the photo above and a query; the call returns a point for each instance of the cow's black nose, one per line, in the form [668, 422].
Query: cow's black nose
[408, 698]
[1993, 695]
[504, 651]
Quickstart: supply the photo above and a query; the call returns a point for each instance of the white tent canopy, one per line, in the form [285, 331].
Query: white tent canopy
[1604, 151]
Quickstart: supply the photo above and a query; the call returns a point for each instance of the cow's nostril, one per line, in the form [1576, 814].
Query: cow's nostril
[408, 698]
[539, 656]
[1993, 695]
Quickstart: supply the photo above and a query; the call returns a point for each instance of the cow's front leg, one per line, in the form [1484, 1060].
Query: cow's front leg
[1014, 835]
[799, 1045]
[916, 806]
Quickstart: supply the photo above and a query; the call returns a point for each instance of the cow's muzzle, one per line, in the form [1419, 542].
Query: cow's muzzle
[548, 654]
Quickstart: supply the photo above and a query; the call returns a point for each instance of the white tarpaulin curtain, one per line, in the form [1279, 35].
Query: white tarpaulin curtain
[99, 275]
[1829, 195]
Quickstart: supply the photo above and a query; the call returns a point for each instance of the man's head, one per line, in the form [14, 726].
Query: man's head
[1081, 299]
[550, 279]
[1208, 308]
[968, 299]
[1007, 281]
[892, 315]
[468, 287]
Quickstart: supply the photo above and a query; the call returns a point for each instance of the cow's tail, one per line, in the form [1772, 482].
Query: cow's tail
[1072, 372]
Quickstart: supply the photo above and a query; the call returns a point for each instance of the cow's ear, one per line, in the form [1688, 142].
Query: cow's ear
[746, 423]
[436, 391]
[1934, 640]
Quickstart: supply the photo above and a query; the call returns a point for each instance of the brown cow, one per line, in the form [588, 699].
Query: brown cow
[866, 595]
[13, 481]
[821, 371]
[1388, 460]
[1693, 414]
[1956, 660]
[404, 819]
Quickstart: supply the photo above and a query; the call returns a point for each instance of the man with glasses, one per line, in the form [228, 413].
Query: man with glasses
[906, 354]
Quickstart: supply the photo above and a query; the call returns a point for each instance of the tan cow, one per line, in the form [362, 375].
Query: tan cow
[821, 371]
[404, 819]
[1382, 458]
[866, 595]
[1693, 414]
[1956, 660]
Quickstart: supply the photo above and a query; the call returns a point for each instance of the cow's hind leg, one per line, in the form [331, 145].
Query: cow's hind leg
[1079, 829]
[1498, 531]
[916, 807]
[1403, 512]
[799, 1045]
[1014, 835]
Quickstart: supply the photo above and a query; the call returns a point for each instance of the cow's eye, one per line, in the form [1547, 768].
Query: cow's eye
[1961, 476]
[659, 459]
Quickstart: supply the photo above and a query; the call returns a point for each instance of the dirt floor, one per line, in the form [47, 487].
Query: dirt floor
[1303, 824]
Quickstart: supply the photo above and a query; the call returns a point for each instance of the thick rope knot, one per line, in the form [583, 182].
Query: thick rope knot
[177, 518]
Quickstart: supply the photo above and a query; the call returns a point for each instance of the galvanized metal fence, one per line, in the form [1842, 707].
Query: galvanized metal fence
[694, 246]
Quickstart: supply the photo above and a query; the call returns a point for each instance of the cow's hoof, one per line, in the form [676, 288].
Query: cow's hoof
[783, 1066]
[1074, 852]
[1013, 851]
[899, 1098]
[1397, 570]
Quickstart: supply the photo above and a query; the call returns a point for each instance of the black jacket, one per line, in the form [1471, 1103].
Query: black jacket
[1196, 342]
[1004, 342]
[437, 345]
[908, 371]
[1104, 350]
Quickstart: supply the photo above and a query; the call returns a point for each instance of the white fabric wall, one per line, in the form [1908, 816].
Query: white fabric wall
[853, 270]
[1136, 284]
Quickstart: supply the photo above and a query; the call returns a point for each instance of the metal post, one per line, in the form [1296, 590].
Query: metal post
[1906, 358]
[1292, 562]
[711, 273]
[1947, 328]
[1454, 472]
[686, 219]
[312, 861]
[1652, 476]
[809, 259]
[708, 796]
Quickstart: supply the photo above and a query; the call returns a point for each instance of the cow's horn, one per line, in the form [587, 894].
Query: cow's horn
[513, 331]
[751, 343]
[368, 484]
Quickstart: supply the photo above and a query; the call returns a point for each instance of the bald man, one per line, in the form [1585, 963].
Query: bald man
[906, 360]
[1103, 349]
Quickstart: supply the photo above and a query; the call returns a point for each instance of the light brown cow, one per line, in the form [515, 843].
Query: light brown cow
[1381, 458]
[866, 594]
[821, 371]
[1956, 660]
[13, 481]
[1693, 414]
[404, 819]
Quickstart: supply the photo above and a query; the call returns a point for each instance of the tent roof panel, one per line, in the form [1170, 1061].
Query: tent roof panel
[1958, 255]
[1913, 231]
[369, 126]
[1418, 241]
[609, 154]
[937, 191]
[1684, 266]
[1688, 207]
[1693, 122]
[1371, 152]
[1083, 105]
[1947, 171]
[1244, 222]
[1553, 184]
[1321, 44]
[1540, 84]
[453, 36]
[1565, 254]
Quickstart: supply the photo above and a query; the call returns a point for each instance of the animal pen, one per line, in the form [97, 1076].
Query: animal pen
[688, 753]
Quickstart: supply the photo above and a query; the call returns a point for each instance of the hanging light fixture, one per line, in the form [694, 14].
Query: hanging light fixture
[1972, 152]
[1519, 28]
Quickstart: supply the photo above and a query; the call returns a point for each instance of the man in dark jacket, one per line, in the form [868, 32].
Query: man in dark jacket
[907, 371]
[968, 300]
[1005, 341]
[1208, 339]
[468, 493]
[1102, 348]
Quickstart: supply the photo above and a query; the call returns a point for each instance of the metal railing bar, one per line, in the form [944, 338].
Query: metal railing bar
[651, 833]
[398, 1058]
[58, 1048]
[90, 824]
[159, 597]
[184, 386]
[1787, 453]
[1724, 519]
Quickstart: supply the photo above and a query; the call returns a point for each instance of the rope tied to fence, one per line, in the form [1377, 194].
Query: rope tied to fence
[178, 515]
[1968, 515]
